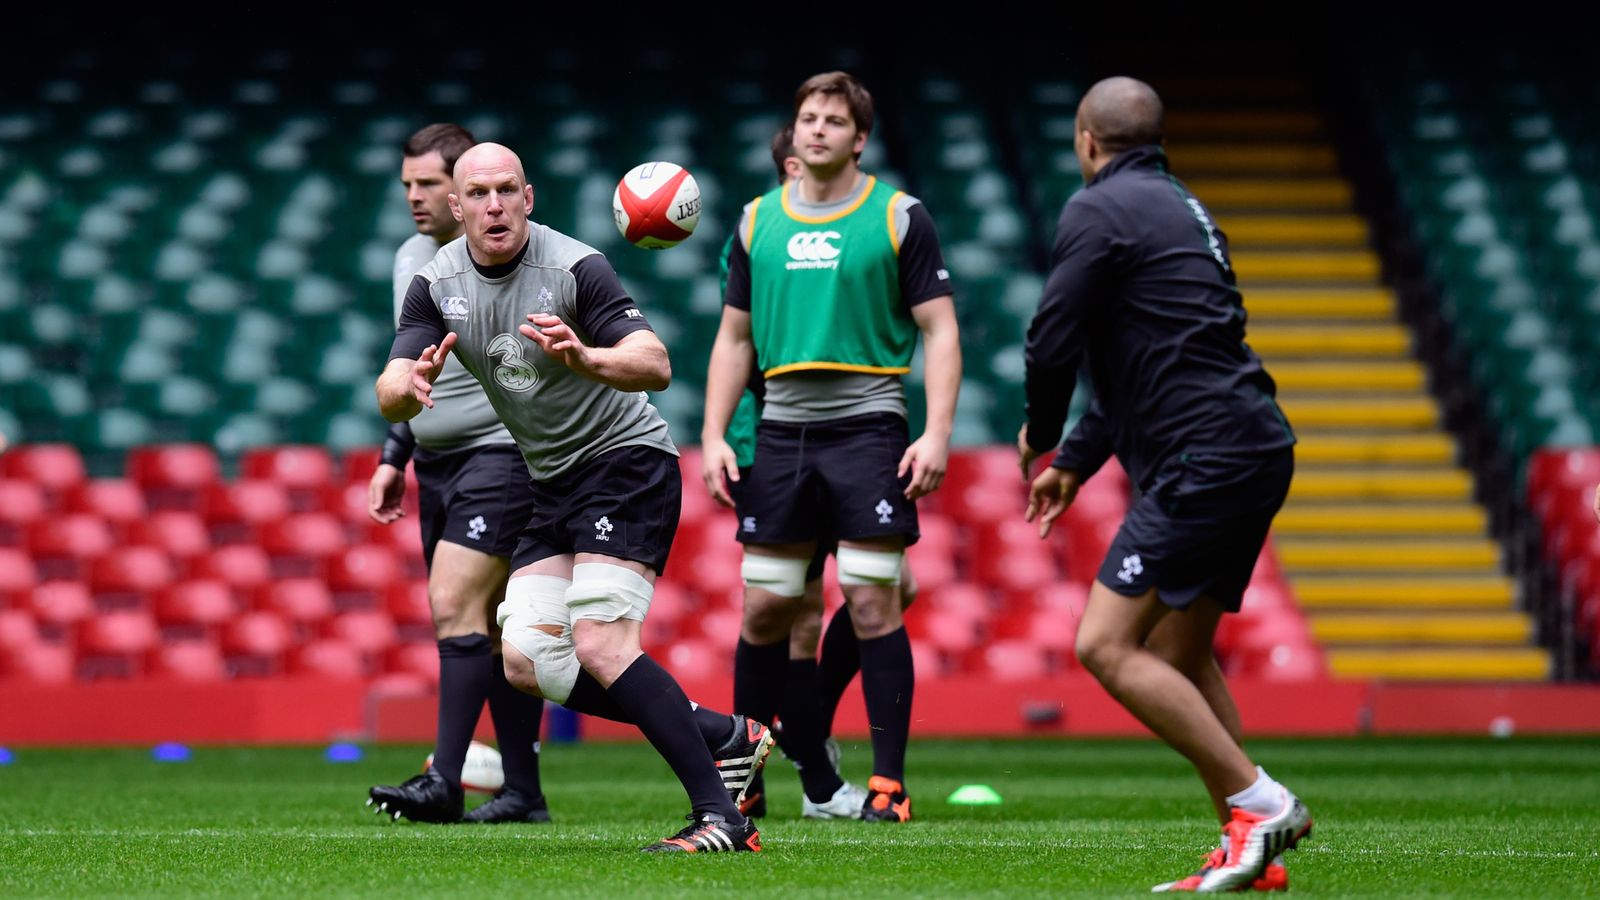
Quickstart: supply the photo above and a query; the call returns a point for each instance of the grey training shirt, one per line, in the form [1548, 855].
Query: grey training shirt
[559, 419]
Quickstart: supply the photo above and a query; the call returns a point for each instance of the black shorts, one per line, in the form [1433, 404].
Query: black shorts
[624, 504]
[1199, 529]
[819, 559]
[479, 498]
[827, 481]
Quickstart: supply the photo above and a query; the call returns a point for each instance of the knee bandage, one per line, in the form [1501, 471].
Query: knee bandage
[606, 593]
[784, 577]
[858, 566]
[533, 601]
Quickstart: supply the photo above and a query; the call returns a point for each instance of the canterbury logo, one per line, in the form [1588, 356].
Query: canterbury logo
[453, 307]
[812, 250]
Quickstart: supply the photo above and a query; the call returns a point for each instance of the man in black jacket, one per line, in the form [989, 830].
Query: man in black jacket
[1143, 287]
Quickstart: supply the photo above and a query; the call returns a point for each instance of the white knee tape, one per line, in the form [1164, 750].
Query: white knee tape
[784, 577]
[858, 566]
[606, 593]
[533, 601]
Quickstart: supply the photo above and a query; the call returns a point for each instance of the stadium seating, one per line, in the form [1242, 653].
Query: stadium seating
[199, 454]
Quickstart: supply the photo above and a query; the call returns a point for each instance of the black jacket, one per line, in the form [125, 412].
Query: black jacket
[1141, 284]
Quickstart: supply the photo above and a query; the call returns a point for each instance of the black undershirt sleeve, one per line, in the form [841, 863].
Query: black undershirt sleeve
[737, 294]
[605, 311]
[923, 275]
[420, 323]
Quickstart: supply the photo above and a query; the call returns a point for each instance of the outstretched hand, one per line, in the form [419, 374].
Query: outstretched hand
[429, 364]
[558, 341]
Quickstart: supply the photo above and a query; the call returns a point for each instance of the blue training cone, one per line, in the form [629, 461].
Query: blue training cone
[170, 752]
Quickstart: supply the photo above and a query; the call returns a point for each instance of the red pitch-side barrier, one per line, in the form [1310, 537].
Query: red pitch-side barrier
[315, 710]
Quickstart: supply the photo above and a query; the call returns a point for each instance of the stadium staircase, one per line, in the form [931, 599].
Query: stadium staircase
[1381, 537]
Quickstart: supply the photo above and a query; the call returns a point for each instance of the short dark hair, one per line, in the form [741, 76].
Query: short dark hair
[448, 138]
[782, 149]
[844, 85]
[1122, 113]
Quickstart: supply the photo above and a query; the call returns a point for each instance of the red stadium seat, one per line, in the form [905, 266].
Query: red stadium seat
[420, 659]
[926, 662]
[368, 630]
[54, 467]
[255, 643]
[931, 567]
[720, 626]
[38, 663]
[189, 660]
[1063, 597]
[1085, 550]
[131, 570]
[952, 633]
[69, 536]
[368, 568]
[61, 603]
[253, 501]
[332, 659]
[303, 601]
[1015, 660]
[1288, 660]
[714, 533]
[243, 567]
[407, 602]
[698, 660]
[316, 535]
[21, 503]
[988, 501]
[114, 644]
[348, 502]
[118, 632]
[1552, 469]
[714, 570]
[357, 464]
[981, 465]
[180, 534]
[306, 467]
[17, 576]
[1027, 567]
[1054, 631]
[405, 536]
[17, 629]
[669, 608]
[116, 500]
[970, 601]
[174, 466]
[302, 544]
[204, 603]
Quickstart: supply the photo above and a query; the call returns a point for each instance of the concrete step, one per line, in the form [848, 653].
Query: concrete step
[1332, 518]
[1478, 664]
[1392, 483]
[1395, 592]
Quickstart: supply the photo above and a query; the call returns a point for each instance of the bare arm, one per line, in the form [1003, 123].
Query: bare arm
[733, 355]
[404, 387]
[927, 457]
[637, 362]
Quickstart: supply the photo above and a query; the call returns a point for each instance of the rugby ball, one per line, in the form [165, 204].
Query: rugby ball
[481, 773]
[656, 205]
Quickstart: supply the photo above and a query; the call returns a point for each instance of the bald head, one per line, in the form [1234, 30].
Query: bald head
[488, 157]
[492, 200]
[1121, 113]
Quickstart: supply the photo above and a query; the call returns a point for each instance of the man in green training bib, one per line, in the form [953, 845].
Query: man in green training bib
[831, 280]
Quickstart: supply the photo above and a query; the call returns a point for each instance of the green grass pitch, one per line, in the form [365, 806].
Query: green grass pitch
[1437, 817]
